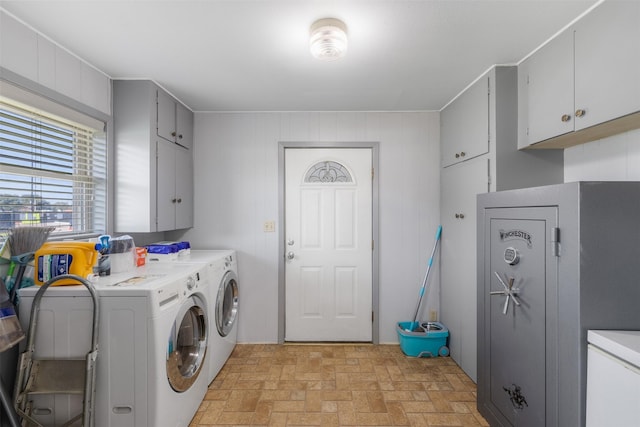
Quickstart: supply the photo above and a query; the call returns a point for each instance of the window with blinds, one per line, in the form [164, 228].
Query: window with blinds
[53, 170]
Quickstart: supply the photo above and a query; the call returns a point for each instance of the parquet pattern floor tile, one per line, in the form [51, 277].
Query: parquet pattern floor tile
[337, 385]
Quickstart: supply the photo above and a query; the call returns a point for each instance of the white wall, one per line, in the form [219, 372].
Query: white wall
[236, 190]
[616, 158]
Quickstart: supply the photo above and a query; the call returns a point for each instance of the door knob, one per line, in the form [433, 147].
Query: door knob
[290, 255]
[290, 242]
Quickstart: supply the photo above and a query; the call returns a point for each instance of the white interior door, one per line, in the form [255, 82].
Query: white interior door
[328, 267]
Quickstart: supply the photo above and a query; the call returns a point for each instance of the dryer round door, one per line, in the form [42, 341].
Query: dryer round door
[227, 303]
[187, 345]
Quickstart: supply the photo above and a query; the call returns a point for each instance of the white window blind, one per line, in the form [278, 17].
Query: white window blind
[52, 170]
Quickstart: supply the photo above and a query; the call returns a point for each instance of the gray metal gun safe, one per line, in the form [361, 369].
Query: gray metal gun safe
[553, 262]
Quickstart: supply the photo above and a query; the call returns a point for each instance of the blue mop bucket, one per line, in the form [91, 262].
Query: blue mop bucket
[429, 341]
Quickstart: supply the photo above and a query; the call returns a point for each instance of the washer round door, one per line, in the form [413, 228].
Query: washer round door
[187, 345]
[227, 303]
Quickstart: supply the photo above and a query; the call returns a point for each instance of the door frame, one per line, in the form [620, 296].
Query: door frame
[375, 302]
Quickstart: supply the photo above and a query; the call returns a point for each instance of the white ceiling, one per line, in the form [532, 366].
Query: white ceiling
[252, 55]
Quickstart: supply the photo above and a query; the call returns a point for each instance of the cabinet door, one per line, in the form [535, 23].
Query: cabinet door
[68, 74]
[184, 126]
[46, 62]
[549, 89]
[460, 184]
[165, 186]
[95, 89]
[184, 188]
[607, 57]
[166, 116]
[464, 125]
[18, 47]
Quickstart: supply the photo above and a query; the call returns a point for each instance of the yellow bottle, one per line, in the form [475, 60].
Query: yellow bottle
[57, 258]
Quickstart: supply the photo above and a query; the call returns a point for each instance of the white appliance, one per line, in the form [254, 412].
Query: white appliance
[152, 363]
[224, 311]
[222, 276]
[613, 378]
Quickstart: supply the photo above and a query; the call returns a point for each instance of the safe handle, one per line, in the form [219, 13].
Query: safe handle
[508, 291]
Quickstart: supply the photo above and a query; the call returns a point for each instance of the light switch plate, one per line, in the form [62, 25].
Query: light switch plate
[269, 226]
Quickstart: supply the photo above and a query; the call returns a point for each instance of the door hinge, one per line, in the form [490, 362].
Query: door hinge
[372, 245]
[372, 316]
[372, 173]
[555, 241]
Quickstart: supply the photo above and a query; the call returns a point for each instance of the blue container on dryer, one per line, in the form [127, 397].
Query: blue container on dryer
[430, 340]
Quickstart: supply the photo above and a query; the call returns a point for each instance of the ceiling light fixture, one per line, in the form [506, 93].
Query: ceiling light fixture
[328, 39]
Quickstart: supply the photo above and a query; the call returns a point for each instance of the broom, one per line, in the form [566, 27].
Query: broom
[24, 242]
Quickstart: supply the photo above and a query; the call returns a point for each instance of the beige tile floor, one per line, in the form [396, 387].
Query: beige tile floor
[337, 385]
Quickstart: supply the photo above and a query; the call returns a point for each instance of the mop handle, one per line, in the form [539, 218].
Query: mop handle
[426, 276]
[430, 262]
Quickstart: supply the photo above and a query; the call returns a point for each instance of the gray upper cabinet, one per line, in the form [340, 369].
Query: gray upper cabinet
[154, 177]
[174, 120]
[607, 69]
[184, 126]
[464, 124]
[547, 91]
[583, 85]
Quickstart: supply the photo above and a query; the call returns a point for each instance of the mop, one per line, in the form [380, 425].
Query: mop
[24, 242]
[415, 325]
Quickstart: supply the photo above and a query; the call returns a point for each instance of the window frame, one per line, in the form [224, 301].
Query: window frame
[67, 104]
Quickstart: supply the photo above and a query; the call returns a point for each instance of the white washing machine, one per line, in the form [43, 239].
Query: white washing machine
[222, 278]
[152, 362]
[613, 378]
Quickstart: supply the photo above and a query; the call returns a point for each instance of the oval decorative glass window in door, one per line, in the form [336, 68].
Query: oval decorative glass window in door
[327, 171]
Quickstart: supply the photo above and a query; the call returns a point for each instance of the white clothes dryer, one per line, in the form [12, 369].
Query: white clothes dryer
[225, 311]
[223, 296]
[152, 361]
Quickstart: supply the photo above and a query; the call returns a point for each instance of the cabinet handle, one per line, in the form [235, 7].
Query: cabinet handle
[180, 136]
[173, 200]
[580, 113]
[457, 156]
[173, 134]
[179, 200]
[565, 117]
[462, 154]
[460, 216]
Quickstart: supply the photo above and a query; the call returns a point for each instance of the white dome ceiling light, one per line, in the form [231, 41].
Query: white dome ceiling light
[328, 39]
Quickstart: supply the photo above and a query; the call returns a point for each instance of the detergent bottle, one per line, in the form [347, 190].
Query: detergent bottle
[58, 258]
